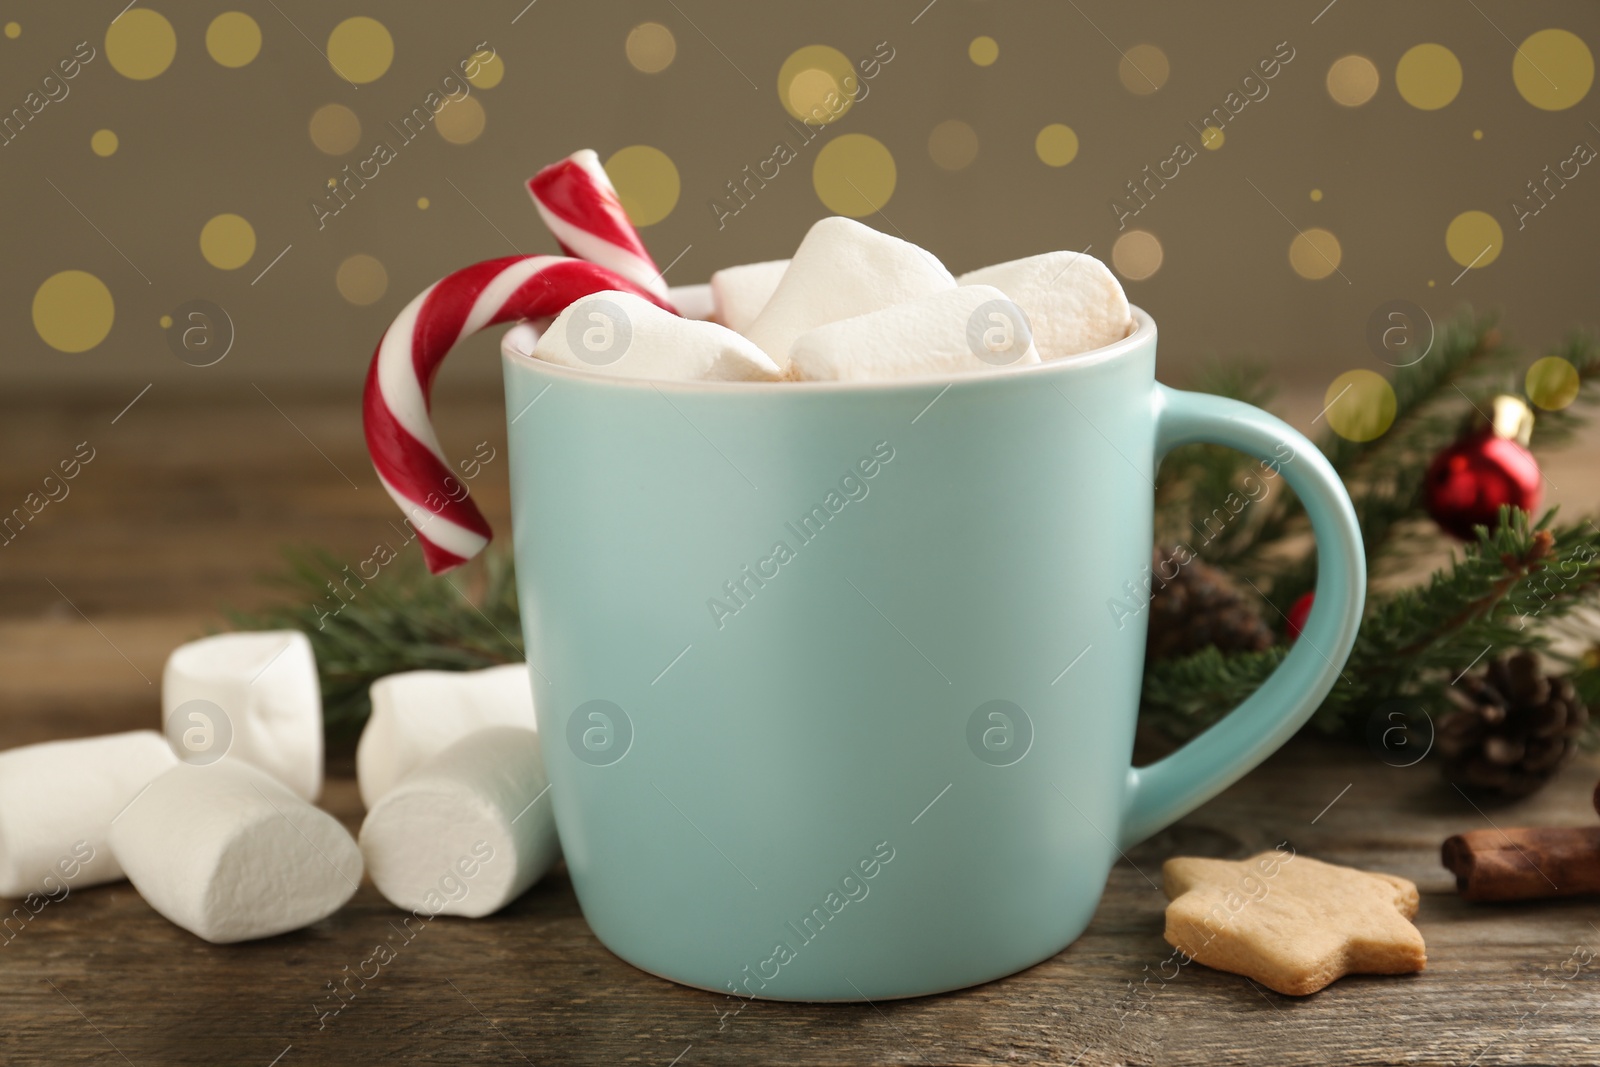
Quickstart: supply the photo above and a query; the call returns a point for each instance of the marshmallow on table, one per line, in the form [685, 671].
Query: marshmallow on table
[57, 802]
[229, 853]
[626, 336]
[739, 293]
[466, 833]
[420, 713]
[1073, 301]
[265, 684]
[843, 269]
[970, 328]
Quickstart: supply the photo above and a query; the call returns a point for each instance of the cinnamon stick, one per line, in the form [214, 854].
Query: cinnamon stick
[1525, 864]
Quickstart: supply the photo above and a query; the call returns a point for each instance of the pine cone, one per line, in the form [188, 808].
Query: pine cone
[1512, 728]
[1199, 607]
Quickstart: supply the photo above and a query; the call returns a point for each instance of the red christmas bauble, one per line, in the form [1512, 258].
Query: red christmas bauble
[1296, 618]
[1468, 482]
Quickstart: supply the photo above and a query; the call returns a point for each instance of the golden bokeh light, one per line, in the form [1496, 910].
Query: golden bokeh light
[362, 280]
[1056, 145]
[103, 143]
[815, 84]
[461, 121]
[1315, 254]
[1473, 239]
[1352, 80]
[1143, 69]
[983, 51]
[1428, 76]
[647, 183]
[227, 241]
[73, 311]
[1552, 383]
[1553, 69]
[140, 44]
[233, 39]
[1137, 255]
[854, 175]
[953, 145]
[491, 68]
[335, 129]
[360, 49]
[1359, 405]
[651, 48]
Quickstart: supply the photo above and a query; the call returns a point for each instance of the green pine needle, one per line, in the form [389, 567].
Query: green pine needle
[1497, 595]
[402, 619]
[1494, 597]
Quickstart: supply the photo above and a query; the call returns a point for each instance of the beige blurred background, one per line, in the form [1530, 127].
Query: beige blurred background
[994, 131]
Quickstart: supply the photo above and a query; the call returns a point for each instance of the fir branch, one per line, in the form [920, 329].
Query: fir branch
[1587, 684]
[404, 619]
[1183, 696]
[1498, 594]
[1387, 483]
[1387, 486]
[1432, 397]
[1385, 476]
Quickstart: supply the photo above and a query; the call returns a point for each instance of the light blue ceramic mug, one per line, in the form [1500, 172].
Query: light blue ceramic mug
[838, 683]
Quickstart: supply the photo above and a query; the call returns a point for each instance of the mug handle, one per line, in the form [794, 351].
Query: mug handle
[1165, 791]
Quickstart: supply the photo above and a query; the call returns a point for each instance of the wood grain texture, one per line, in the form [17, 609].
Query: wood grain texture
[178, 514]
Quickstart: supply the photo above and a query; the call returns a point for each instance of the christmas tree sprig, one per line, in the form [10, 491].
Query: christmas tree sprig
[1410, 637]
[1498, 594]
[1433, 395]
[404, 619]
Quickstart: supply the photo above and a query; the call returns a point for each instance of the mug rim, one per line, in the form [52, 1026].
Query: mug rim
[1143, 332]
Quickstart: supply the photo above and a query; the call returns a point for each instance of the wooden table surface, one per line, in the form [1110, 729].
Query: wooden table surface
[184, 505]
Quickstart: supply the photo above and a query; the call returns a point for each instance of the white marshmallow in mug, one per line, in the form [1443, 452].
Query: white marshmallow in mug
[843, 269]
[626, 336]
[467, 832]
[693, 301]
[57, 803]
[1074, 302]
[416, 714]
[265, 685]
[229, 853]
[739, 293]
[969, 328]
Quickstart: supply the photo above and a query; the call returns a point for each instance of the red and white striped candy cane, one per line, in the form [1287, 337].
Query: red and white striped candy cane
[404, 448]
[579, 204]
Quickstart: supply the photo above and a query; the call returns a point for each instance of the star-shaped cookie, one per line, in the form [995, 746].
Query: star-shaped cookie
[1292, 923]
